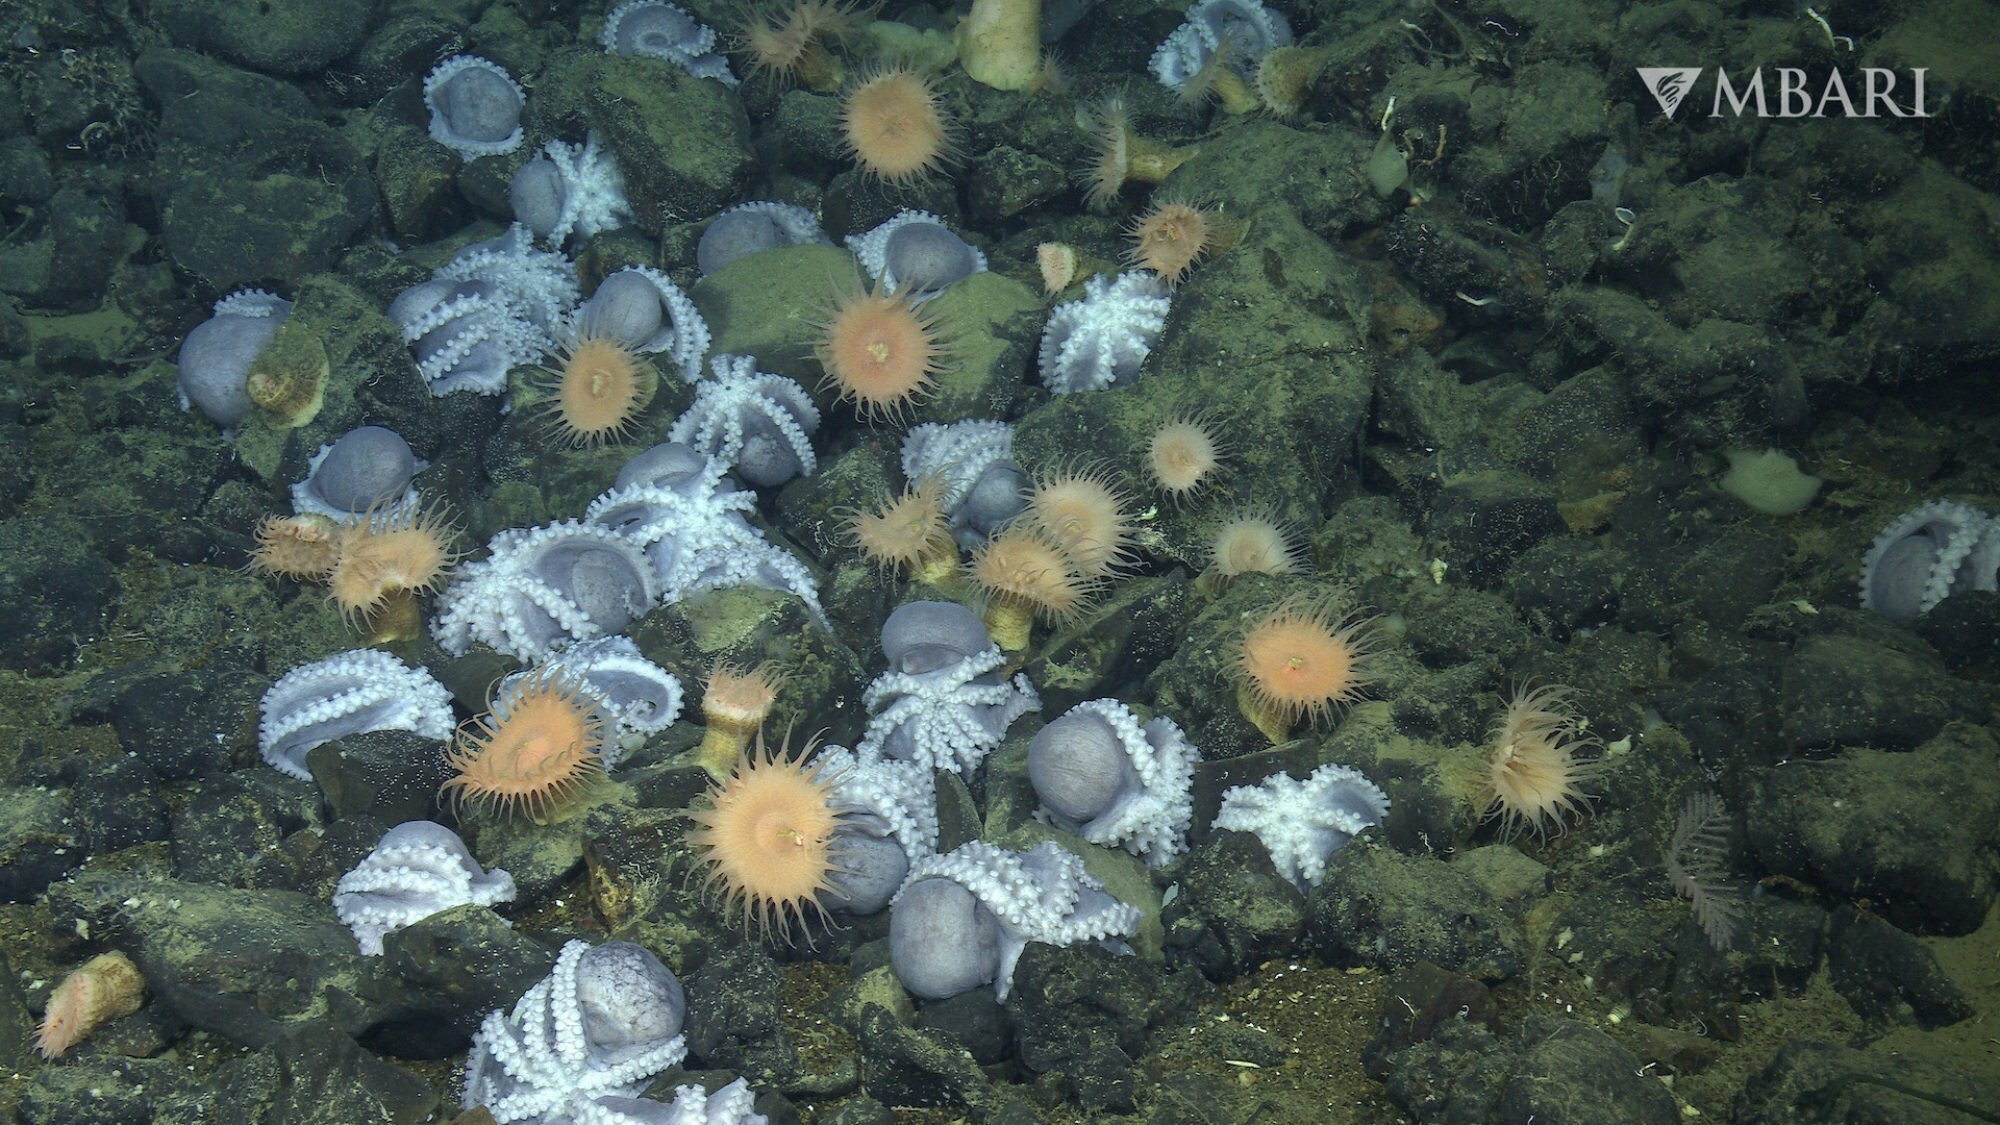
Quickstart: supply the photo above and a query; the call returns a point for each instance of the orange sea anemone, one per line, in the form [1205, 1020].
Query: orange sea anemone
[1252, 544]
[1084, 515]
[1183, 456]
[1302, 660]
[767, 836]
[304, 547]
[1119, 155]
[881, 351]
[1171, 238]
[404, 548]
[536, 750]
[789, 41]
[103, 989]
[909, 533]
[598, 389]
[734, 705]
[894, 126]
[1532, 777]
[1024, 574]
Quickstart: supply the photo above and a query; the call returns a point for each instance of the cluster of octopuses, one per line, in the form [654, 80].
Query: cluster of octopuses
[584, 1041]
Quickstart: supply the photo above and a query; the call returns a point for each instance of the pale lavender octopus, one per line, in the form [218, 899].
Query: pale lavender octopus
[1101, 339]
[1927, 554]
[570, 192]
[542, 588]
[963, 919]
[418, 868]
[495, 306]
[475, 107]
[972, 462]
[368, 468]
[945, 701]
[888, 820]
[915, 250]
[215, 358]
[644, 310]
[1242, 31]
[1302, 823]
[758, 424]
[655, 29]
[601, 1024]
[692, 1105]
[682, 509]
[751, 228]
[1106, 778]
[353, 692]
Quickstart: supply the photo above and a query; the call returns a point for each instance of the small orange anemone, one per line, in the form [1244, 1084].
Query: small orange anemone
[536, 750]
[1218, 80]
[895, 128]
[734, 705]
[881, 352]
[1058, 263]
[106, 987]
[767, 838]
[1084, 514]
[1171, 238]
[599, 387]
[790, 42]
[1302, 660]
[1024, 574]
[1253, 544]
[304, 548]
[909, 533]
[390, 551]
[1120, 155]
[1183, 456]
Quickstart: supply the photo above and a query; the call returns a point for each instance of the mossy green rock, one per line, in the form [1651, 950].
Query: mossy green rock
[991, 325]
[683, 143]
[769, 305]
[819, 678]
[333, 324]
[1261, 163]
[1265, 343]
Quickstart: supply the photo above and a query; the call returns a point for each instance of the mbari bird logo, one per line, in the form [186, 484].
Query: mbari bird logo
[1669, 84]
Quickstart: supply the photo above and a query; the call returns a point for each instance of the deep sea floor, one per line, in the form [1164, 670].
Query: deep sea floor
[1513, 382]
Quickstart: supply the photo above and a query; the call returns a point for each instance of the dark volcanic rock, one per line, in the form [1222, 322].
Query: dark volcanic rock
[901, 1066]
[1551, 1071]
[1380, 907]
[1889, 976]
[1234, 910]
[1885, 690]
[56, 590]
[1914, 833]
[285, 36]
[1082, 1011]
[732, 1018]
[40, 841]
[243, 964]
[1826, 1083]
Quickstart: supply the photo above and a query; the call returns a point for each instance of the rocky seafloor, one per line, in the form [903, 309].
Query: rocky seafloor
[1496, 410]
